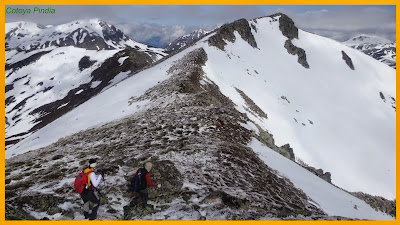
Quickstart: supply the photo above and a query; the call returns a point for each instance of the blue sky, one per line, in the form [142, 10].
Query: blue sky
[158, 25]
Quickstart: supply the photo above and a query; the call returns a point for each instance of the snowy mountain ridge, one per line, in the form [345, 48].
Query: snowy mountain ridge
[52, 69]
[378, 48]
[92, 34]
[218, 128]
[367, 39]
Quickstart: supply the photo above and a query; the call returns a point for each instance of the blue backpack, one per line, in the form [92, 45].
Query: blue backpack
[136, 181]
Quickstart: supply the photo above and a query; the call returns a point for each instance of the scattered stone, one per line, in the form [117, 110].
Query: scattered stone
[382, 96]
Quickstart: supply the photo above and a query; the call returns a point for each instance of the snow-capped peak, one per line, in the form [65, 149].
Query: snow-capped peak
[378, 48]
[367, 39]
[91, 34]
[186, 39]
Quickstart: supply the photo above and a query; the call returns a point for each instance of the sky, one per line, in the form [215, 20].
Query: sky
[159, 25]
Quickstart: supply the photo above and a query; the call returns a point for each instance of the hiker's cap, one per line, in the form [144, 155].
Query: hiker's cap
[148, 166]
[92, 163]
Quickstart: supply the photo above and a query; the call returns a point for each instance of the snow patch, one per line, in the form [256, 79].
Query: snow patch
[122, 59]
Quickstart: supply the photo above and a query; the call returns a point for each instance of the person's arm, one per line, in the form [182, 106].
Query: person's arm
[95, 180]
[149, 181]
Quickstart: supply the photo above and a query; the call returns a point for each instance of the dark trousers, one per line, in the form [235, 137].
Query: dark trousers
[144, 195]
[87, 197]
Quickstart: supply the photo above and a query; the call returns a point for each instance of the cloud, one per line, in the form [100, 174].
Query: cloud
[158, 35]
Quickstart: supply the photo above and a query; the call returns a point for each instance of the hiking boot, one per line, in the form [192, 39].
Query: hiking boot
[86, 214]
[92, 217]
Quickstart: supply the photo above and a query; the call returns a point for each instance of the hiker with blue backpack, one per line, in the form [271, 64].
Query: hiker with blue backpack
[140, 180]
[86, 184]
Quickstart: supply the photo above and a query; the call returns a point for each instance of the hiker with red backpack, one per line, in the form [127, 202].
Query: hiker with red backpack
[140, 180]
[86, 184]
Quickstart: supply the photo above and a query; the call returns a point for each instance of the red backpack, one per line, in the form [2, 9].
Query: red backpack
[81, 180]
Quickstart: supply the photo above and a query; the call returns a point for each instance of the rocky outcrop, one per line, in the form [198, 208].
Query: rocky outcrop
[320, 173]
[289, 30]
[289, 150]
[85, 63]
[286, 26]
[292, 49]
[347, 59]
[226, 33]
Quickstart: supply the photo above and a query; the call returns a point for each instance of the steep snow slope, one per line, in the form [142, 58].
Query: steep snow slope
[330, 199]
[333, 117]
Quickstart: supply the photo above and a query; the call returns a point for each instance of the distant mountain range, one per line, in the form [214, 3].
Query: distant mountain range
[378, 48]
[53, 69]
[185, 40]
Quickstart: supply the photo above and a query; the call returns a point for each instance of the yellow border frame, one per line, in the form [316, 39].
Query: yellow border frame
[175, 2]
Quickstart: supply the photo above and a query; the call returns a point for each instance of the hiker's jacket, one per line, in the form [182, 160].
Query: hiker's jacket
[147, 178]
[92, 179]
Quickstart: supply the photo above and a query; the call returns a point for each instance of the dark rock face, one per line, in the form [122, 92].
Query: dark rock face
[292, 49]
[85, 63]
[226, 33]
[288, 149]
[286, 26]
[347, 59]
